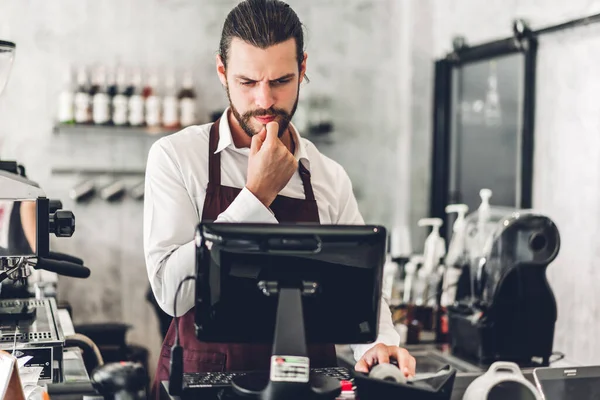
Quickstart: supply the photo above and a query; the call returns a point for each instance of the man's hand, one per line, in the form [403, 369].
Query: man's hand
[381, 354]
[270, 165]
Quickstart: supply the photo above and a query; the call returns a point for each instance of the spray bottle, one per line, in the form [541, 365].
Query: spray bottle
[411, 274]
[455, 259]
[456, 248]
[483, 218]
[433, 251]
[435, 246]
[483, 215]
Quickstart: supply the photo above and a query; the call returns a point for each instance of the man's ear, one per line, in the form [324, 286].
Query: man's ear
[221, 71]
[303, 67]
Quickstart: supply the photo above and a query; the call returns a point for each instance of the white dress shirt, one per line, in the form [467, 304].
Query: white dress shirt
[175, 188]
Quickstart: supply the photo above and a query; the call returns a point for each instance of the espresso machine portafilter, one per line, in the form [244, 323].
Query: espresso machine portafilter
[50, 220]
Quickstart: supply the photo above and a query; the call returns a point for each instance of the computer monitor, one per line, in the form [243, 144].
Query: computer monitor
[288, 285]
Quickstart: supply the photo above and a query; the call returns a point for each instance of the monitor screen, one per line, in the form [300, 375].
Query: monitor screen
[571, 388]
[340, 268]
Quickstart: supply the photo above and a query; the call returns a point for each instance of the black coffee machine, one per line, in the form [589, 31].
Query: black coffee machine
[505, 309]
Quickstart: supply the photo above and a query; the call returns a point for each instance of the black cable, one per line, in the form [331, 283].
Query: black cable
[175, 317]
[176, 367]
[439, 292]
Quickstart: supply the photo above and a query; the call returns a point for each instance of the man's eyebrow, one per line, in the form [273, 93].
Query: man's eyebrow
[287, 76]
[245, 78]
[242, 77]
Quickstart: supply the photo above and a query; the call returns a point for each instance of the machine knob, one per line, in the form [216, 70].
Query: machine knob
[54, 205]
[62, 223]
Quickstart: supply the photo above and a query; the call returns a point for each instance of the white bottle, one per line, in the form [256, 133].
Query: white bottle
[390, 269]
[433, 283]
[400, 243]
[187, 101]
[136, 101]
[120, 101]
[483, 216]
[456, 248]
[420, 290]
[433, 251]
[410, 269]
[477, 253]
[82, 99]
[435, 245]
[455, 258]
[451, 277]
[170, 103]
[101, 100]
[153, 117]
[66, 99]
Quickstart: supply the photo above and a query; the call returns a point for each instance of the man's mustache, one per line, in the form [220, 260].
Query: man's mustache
[265, 113]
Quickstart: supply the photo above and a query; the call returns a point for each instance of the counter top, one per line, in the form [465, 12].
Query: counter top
[430, 358]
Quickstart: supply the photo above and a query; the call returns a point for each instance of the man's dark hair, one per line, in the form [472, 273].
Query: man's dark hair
[262, 23]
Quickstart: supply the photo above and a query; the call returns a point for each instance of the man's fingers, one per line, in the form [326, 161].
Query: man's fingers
[362, 366]
[412, 369]
[272, 131]
[383, 355]
[262, 134]
[406, 362]
[256, 144]
[366, 362]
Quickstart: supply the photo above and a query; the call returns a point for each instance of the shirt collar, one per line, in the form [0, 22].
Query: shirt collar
[226, 140]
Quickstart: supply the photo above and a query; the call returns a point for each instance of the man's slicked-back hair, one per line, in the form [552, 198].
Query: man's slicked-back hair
[262, 23]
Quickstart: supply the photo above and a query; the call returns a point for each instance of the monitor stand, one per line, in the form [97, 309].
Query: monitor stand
[289, 377]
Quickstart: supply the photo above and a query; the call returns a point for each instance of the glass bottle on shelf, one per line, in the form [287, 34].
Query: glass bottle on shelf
[170, 103]
[101, 100]
[111, 88]
[121, 99]
[136, 101]
[187, 100]
[66, 100]
[152, 100]
[82, 102]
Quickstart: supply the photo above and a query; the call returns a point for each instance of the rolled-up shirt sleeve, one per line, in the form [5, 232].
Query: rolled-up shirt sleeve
[170, 219]
[247, 208]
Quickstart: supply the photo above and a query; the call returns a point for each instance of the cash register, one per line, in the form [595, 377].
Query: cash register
[289, 285]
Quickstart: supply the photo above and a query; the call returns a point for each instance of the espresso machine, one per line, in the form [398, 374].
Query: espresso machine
[505, 309]
[29, 326]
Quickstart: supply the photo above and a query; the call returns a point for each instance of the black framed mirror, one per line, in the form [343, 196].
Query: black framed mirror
[483, 125]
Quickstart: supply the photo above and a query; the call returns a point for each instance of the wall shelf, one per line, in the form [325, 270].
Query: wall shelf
[97, 171]
[152, 133]
[93, 130]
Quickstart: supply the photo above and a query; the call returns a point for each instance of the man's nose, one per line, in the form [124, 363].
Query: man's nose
[264, 96]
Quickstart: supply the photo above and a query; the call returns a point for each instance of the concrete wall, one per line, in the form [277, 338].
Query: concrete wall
[354, 57]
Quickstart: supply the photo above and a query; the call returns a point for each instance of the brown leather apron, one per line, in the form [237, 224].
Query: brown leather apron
[211, 357]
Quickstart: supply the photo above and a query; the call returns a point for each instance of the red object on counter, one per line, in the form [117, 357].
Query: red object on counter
[346, 386]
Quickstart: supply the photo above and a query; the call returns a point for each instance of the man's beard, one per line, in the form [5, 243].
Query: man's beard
[244, 120]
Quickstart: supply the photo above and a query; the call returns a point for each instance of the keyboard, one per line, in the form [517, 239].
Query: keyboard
[222, 380]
